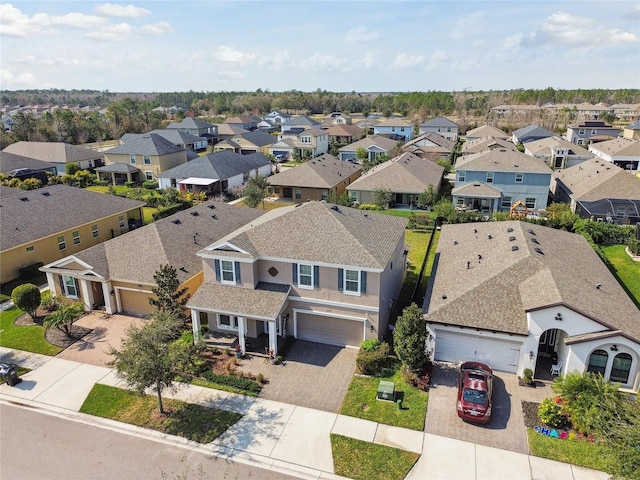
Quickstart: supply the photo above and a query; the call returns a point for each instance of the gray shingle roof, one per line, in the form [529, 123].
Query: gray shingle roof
[319, 232]
[432, 137]
[532, 131]
[406, 173]
[477, 189]
[118, 168]
[500, 287]
[620, 146]
[302, 121]
[146, 144]
[486, 131]
[439, 122]
[324, 171]
[57, 152]
[502, 160]
[191, 123]
[597, 179]
[220, 165]
[258, 138]
[11, 161]
[484, 144]
[178, 137]
[136, 256]
[53, 209]
[384, 143]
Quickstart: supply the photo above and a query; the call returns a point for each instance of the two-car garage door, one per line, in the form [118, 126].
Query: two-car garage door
[134, 302]
[331, 330]
[499, 354]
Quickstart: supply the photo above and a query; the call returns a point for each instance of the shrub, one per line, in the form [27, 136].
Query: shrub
[170, 210]
[51, 304]
[150, 184]
[527, 376]
[375, 361]
[130, 184]
[369, 206]
[233, 381]
[101, 183]
[371, 344]
[420, 379]
[550, 413]
[634, 246]
[27, 297]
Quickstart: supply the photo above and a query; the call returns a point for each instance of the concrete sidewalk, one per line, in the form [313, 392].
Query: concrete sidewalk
[275, 435]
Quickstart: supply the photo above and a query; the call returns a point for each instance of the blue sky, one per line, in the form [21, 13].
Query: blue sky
[332, 45]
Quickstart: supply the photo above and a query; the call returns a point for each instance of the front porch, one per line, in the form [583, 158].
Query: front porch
[255, 346]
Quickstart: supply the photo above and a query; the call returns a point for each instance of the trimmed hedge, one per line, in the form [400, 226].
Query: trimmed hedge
[170, 210]
[233, 381]
[150, 184]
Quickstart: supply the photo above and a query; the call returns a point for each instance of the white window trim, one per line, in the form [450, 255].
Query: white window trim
[521, 176]
[344, 283]
[490, 176]
[147, 157]
[121, 221]
[132, 159]
[300, 275]
[233, 320]
[223, 270]
[148, 175]
[31, 249]
[76, 238]
[95, 232]
[462, 176]
[61, 243]
[66, 287]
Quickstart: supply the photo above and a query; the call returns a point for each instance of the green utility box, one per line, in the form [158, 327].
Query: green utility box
[386, 390]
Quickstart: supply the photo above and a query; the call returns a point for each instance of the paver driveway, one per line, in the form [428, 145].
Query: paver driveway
[314, 375]
[505, 430]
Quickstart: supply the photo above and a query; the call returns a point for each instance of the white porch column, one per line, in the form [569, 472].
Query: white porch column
[108, 299]
[242, 329]
[273, 338]
[52, 284]
[195, 324]
[87, 295]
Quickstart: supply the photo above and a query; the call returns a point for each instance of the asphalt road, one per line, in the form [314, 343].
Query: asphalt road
[38, 446]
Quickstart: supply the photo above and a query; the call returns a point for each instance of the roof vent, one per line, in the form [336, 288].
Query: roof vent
[509, 229]
[177, 221]
[214, 217]
[531, 232]
[514, 248]
[212, 206]
[489, 236]
[598, 286]
[195, 214]
[46, 194]
[539, 250]
[516, 165]
[535, 240]
[512, 239]
[455, 242]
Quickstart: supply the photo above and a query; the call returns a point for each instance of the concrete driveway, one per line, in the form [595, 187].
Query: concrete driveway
[107, 332]
[314, 375]
[505, 430]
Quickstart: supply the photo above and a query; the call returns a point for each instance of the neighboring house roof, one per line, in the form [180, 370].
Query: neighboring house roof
[225, 129]
[477, 189]
[317, 232]
[11, 161]
[52, 209]
[481, 282]
[486, 131]
[406, 173]
[324, 171]
[384, 143]
[633, 126]
[623, 147]
[219, 165]
[119, 167]
[178, 137]
[393, 122]
[532, 131]
[257, 138]
[344, 130]
[57, 152]
[597, 179]
[432, 137]
[145, 144]
[314, 132]
[191, 123]
[173, 240]
[502, 160]
[546, 144]
[592, 124]
[302, 121]
[241, 119]
[486, 143]
[439, 122]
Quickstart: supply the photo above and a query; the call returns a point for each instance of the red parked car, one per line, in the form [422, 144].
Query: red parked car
[474, 392]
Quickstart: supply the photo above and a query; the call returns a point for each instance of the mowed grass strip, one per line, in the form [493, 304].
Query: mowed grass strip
[626, 269]
[29, 338]
[368, 461]
[194, 422]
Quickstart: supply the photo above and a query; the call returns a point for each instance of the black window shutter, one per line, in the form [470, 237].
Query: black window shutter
[217, 268]
[363, 282]
[316, 276]
[75, 280]
[294, 267]
[61, 279]
[340, 279]
[237, 265]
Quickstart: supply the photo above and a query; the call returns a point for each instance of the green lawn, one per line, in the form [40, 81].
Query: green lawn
[627, 271]
[195, 422]
[29, 338]
[581, 452]
[148, 214]
[368, 461]
[417, 242]
[121, 189]
[226, 388]
[360, 401]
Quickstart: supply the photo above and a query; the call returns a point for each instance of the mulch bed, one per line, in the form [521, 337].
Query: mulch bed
[530, 414]
[54, 336]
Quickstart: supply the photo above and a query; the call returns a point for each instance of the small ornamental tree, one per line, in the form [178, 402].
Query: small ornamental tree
[27, 297]
[168, 297]
[256, 191]
[429, 197]
[410, 337]
[382, 197]
[64, 318]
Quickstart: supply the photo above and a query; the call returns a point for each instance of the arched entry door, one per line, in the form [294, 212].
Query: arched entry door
[547, 352]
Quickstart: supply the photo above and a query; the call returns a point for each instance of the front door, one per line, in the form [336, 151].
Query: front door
[287, 192]
[547, 343]
[98, 296]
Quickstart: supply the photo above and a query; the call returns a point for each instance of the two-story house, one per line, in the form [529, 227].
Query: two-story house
[623, 152]
[529, 134]
[442, 126]
[583, 133]
[485, 131]
[179, 138]
[495, 180]
[394, 128]
[197, 127]
[307, 143]
[248, 122]
[302, 121]
[375, 145]
[557, 152]
[334, 280]
[247, 143]
[276, 117]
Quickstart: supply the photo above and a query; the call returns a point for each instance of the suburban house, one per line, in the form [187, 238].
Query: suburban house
[432, 146]
[529, 134]
[375, 146]
[557, 152]
[344, 133]
[117, 275]
[302, 122]
[59, 153]
[275, 117]
[334, 283]
[507, 294]
[442, 126]
[52, 222]
[486, 131]
[179, 138]
[484, 144]
[321, 178]
[215, 173]
[338, 118]
[623, 152]
[407, 176]
[150, 153]
[247, 143]
[197, 127]
[10, 162]
[306, 143]
[597, 189]
[248, 122]
[583, 133]
[225, 132]
[495, 180]
[395, 129]
[632, 131]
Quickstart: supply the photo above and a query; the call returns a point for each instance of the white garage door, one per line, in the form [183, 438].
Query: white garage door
[500, 355]
[136, 303]
[334, 331]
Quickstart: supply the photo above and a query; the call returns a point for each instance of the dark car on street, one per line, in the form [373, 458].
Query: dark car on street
[475, 387]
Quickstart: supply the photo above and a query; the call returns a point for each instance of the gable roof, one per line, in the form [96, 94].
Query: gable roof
[532, 131]
[385, 143]
[302, 121]
[502, 160]
[257, 138]
[136, 256]
[618, 147]
[477, 189]
[178, 137]
[596, 179]
[57, 152]
[546, 144]
[393, 122]
[52, 209]
[226, 129]
[366, 240]
[487, 143]
[220, 165]
[145, 144]
[11, 161]
[497, 290]
[324, 171]
[432, 137]
[486, 131]
[344, 130]
[190, 123]
[405, 173]
[439, 122]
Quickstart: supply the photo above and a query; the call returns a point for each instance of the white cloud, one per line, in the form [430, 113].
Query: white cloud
[119, 31]
[121, 11]
[22, 80]
[321, 62]
[278, 62]
[404, 60]
[513, 42]
[77, 20]
[368, 61]
[227, 54]
[157, 28]
[228, 75]
[360, 34]
[469, 26]
[15, 23]
[439, 56]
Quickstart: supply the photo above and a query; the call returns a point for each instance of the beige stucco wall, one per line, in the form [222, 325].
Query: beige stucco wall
[159, 163]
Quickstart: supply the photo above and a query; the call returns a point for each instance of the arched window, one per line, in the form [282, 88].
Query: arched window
[598, 362]
[621, 368]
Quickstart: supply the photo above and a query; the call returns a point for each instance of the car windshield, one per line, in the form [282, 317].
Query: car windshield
[474, 396]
